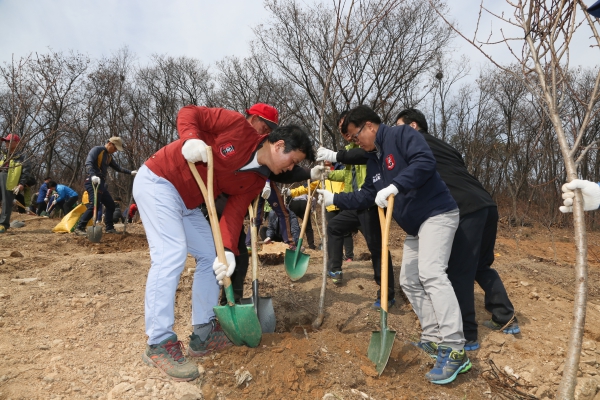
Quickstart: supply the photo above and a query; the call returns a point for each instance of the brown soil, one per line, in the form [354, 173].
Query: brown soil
[76, 331]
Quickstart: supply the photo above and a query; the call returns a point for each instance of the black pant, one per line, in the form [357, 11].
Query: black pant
[348, 241]
[104, 198]
[368, 221]
[241, 269]
[299, 207]
[470, 261]
[67, 205]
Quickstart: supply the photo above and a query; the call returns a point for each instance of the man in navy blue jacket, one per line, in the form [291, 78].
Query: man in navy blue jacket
[98, 160]
[401, 163]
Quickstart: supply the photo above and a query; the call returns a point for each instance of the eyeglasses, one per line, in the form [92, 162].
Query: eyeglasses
[355, 136]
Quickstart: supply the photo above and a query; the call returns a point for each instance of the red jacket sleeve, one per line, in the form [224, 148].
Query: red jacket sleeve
[205, 123]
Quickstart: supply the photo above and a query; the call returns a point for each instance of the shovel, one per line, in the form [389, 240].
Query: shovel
[94, 232]
[239, 322]
[382, 341]
[263, 306]
[296, 262]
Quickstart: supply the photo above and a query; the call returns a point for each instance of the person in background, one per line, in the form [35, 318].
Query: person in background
[131, 212]
[15, 171]
[98, 160]
[63, 198]
[40, 203]
[272, 232]
[298, 206]
[118, 214]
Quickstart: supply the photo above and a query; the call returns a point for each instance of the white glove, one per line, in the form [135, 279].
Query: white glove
[96, 180]
[55, 195]
[589, 190]
[267, 240]
[324, 154]
[266, 190]
[318, 172]
[222, 270]
[286, 192]
[325, 196]
[53, 203]
[194, 150]
[134, 172]
[17, 189]
[382, 196]
[46, 199]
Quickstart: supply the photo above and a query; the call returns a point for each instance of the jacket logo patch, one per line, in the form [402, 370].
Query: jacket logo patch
[376, 177]
[227, 150]
[390, 162]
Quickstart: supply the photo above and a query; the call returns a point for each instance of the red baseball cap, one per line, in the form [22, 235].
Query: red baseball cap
[11, 136]
[266, 112]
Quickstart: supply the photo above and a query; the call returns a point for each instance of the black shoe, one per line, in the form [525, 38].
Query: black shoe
[112, 231]
[80, 232]
[312, 247]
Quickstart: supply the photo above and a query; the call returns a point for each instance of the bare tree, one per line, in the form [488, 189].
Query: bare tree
[541, 50]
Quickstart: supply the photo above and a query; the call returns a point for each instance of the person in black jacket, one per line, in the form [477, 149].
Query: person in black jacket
[98, 160]
[473, 247]
[401, 163]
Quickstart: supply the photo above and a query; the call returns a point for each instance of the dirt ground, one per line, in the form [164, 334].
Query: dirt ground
[72, 326]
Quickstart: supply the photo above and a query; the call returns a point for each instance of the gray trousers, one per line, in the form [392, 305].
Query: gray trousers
[7, 201]
[425, 282]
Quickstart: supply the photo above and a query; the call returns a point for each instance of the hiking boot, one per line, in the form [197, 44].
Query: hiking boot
[2, 229]
[80, 232]
[112, 231]
[471, 345]
[448, 365]
[430, 348]
[336, 276]
[312, 247]
[217, 340]
[512, 328]
[168, 357]
[377, 304]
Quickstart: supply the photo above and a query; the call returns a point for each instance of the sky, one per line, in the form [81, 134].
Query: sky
[205, 29]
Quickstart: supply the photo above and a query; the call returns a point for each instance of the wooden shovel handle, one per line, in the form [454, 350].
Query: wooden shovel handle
[253, 211]
[209, 200]
[385, 235]
[307, 211]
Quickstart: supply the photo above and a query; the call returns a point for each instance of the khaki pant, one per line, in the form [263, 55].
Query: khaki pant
[425, 282]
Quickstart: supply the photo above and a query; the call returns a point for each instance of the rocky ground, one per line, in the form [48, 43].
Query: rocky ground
[72, 326]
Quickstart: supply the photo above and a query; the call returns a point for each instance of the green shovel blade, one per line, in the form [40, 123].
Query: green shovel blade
[296, 262]
[239, 322]
[380, 346]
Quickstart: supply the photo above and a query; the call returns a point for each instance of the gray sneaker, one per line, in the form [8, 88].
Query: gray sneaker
[168, 357]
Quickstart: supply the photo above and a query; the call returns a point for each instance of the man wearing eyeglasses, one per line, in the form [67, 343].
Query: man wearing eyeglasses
[367, 220]
[401, 163]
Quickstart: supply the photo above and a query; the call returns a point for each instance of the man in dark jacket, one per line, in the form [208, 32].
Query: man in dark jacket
[41, 196]
[473, 247]
[272, 232]
[96, 165]
[400, 163]
[15, 171]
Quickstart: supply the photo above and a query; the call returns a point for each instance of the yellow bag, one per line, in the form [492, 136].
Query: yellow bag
[85, 198]
[69, 221]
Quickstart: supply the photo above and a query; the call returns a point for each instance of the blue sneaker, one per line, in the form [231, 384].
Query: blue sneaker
[511, 328]
[336, 276]
[471, 345]
[430, 348]
[448, 365]
[377, 304]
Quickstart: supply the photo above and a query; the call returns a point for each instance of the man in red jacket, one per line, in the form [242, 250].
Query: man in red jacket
[245, 154]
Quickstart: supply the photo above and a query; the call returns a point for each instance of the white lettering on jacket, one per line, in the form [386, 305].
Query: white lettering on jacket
[376, 177]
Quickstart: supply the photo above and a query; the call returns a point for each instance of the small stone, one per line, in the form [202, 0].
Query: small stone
[44, 347]
[586, 388]
[16, 254]
[525, 284]
[49, 378]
